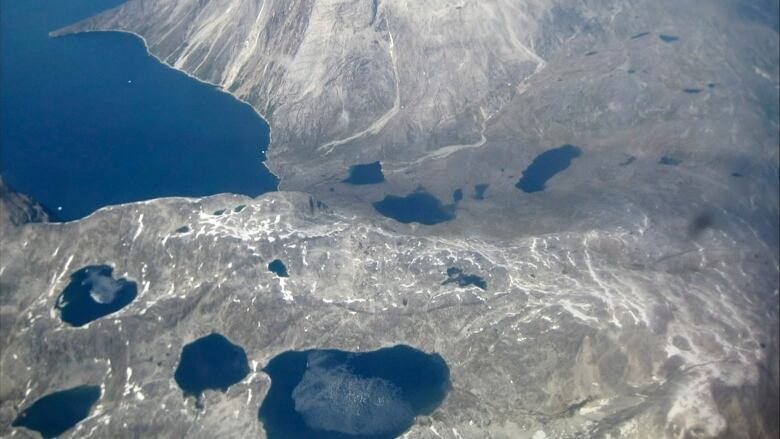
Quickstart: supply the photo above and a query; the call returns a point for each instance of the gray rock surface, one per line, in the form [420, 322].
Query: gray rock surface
[598, 333]
[436, 86]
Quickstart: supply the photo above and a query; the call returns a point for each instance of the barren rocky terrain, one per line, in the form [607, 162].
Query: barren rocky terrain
[635, 296]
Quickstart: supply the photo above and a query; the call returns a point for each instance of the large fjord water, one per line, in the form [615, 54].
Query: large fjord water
[92, 120]
[332, 394]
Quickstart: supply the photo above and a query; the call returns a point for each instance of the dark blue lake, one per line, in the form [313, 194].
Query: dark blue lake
[92, 120]
[93, 293]
[331, 394]
[457, 195]
[210, 363]
[545, 166]
[58, 412]
[278, 268]
[630, 159]
[479, 191]
[456, 275]
[370, 173]
[417, 207]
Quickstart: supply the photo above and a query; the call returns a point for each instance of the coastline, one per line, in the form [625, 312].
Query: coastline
[171, 198]
[64, 32]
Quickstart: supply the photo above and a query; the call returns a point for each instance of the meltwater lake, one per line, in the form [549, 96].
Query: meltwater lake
[92, 120]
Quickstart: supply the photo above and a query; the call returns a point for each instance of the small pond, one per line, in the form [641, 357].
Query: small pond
[669, 161]
[370, 173]
[479, 191]
[545, 166]
[457, 195]
[277, 267]
[417, 207]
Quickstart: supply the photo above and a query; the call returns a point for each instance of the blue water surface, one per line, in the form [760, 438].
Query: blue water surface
[417, 207]
[331, 394]
[630, 159]
[91, 120]
[210, 363]
[545, 166]
[456, 275]
[93, 293]
[58, 412]
[369, 173]
[278, 268]
[457, 195]
[669, 161]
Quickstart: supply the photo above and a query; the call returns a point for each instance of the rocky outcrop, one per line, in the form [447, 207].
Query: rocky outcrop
[17, 209]
[578, 334]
